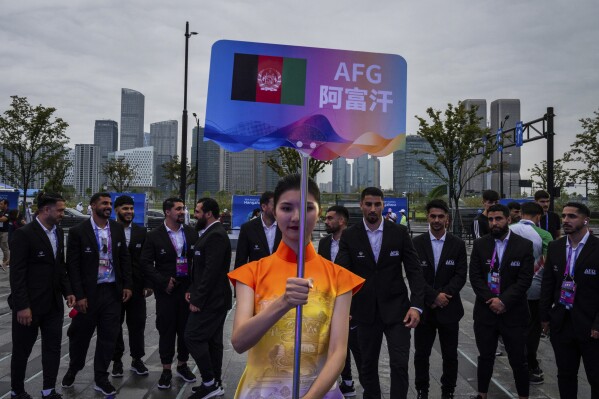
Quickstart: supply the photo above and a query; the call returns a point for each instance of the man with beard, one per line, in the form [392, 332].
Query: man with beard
[550, 220]
[444, 264]
[166, 258]
[501, 270]
[38, 280]
[259, 237]
[480, 224]
[569, 304]
[375, 250]
[335, 221]
[135, 308]
[209, 296]
[515, 211]
[99, 267]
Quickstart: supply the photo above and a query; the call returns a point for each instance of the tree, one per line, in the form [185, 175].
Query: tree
[56, 175]
[460, 146]
[172, 173]
[561, 175]
[288, 162]
[33, 140]
[586, 151]
[119, 173]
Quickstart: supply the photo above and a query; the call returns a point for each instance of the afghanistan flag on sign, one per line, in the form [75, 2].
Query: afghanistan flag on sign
[268, 79]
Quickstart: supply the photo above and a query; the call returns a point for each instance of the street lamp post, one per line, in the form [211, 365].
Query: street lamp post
[183, 187]
[501, 158]
[197, 153]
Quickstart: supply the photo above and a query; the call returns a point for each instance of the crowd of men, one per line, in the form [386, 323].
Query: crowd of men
[527, 280]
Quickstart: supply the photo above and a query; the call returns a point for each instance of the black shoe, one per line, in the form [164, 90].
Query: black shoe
[165, 379]
[535, 379]
[185, 373]
[105, 387]
[22, 395]
[346, 389]
[218, 383]
[476, 397]
[537, 372]
[422, 394]
[52, 395]
[204, 391]
[447, 395]
[69, 378]
[117, 369]
[139, 367]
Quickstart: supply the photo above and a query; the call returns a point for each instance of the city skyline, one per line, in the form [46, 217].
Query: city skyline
[541, 52]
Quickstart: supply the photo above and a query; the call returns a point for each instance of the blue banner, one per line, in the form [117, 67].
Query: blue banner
[12, 197]
[519, 134]
[243, 206]
[139, 206]
[394, 206]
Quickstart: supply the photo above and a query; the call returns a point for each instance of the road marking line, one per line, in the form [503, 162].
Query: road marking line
[508, 393]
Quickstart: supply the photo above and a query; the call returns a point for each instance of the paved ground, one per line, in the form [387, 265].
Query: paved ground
[133, 386]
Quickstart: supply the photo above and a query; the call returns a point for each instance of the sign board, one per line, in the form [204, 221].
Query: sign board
[326, 103]
[519, 134]
[242, 208]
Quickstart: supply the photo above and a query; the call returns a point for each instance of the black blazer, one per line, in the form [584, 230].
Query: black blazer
[210, 289]
[324, 247]
[585, 313]
[384, 288]
[159, 259]
[38, 280]
[83, 257]
[449, 279]
[136, 242]
[252, 244]
[516, 271]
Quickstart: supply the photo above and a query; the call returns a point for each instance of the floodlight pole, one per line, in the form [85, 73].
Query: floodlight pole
[183, 187]
[300, 274]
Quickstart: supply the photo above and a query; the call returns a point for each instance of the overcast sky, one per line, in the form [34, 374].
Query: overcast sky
[76, 56]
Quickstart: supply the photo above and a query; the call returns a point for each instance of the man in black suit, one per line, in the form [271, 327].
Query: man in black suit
[375, 250]
[166, 259]
[336, 220]
[501, 270]
[99, 268]
[550, 221]
[209, 298]
[135, 308]
[480, 224]
[569, 304]
[38, 280]
[259, 237]
[444, 265]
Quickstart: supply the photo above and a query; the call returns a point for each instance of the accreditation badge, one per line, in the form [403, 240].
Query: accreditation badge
[568, 293]
[104, 269]
[494, 282]
[182, 268]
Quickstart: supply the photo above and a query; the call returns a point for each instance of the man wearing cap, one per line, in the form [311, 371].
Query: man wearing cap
[404, 220]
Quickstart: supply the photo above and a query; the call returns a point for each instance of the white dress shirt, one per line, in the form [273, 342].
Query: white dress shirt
[376, 239]
[575, 251]
[178, 238]
[270, 232]
[437, 247]
[500, 247]
[52, 236]
[334, 248]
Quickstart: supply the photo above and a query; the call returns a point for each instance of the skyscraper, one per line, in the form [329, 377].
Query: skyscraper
[106, 136]
[87, 168]
[409, 176]
[163, 137]
[341, 176]
[500, 109]
[141, 160]
[132, 119]
[246, 172]
[366, 172]
[207, 157]
[478, 183]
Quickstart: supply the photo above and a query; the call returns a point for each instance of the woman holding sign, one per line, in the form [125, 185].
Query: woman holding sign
[268, 293]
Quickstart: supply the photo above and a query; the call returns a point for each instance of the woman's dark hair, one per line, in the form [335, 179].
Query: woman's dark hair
[293, 182]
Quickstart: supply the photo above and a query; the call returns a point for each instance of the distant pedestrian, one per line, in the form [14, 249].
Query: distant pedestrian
[550, 221]
[4, 227]
[480, 225]
[515, 210]
[79, 207]
[403, 218]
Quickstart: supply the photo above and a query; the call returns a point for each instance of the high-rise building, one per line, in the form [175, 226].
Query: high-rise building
[246, 172]
[374, 172]
[69, 177]
[477, 184]
[207, 157]
[506, 111]
[409, 176]
[106, 136]
[146, 139]
[163, 137]
[341, 176]
[366, 172]
[132, 119]
[141, 160]
[87, 169]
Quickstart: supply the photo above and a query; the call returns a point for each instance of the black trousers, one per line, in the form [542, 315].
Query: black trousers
[23, 339]
[204, 338]
[569, 349]
[534, 334]
[514, 339]
[424, 338]
[103, 314]
[398, 337]
[353, 347]
[134, 311]
[172, 311]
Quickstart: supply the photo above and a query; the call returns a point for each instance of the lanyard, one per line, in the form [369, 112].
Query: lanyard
[547, 221]
[174, 242]
[493, 259]
[99, 240]
[567, 272]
